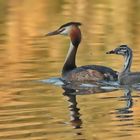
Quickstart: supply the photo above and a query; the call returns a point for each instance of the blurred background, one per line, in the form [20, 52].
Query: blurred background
[106, 24]
[36, 111]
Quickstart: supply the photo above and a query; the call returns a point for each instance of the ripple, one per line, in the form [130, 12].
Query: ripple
[54, 81]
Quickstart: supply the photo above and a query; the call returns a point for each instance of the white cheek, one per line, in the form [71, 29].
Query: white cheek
[66, 31]
[121, 53]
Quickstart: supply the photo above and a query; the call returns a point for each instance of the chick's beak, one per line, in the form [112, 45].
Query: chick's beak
[110, 52]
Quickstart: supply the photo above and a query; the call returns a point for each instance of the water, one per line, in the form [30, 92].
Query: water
[32, 109]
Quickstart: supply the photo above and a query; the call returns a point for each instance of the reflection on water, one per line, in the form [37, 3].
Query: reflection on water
[34, 110]
[124, 114]
[74, 110]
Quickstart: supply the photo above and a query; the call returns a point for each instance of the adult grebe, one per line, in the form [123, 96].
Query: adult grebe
[84, 73]
[126, 77]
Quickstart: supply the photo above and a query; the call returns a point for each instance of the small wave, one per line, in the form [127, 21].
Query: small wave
[55, 81]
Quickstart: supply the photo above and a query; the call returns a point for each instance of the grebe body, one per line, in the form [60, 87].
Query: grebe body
[70, 71]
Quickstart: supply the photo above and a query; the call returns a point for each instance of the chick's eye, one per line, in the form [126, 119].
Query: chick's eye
[123, 50]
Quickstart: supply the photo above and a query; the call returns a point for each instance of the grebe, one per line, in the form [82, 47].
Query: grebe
[126, 77]
[84, 73]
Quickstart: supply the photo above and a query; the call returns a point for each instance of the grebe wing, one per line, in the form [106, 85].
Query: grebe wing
[90, 73]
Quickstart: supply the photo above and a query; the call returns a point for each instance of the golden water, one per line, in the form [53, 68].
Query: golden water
[32, 110]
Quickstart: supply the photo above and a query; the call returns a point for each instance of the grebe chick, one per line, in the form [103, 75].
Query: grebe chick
[126, 77]
[88, 73]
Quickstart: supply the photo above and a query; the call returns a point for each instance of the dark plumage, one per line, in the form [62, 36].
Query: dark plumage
[71, 23]
[90, 73]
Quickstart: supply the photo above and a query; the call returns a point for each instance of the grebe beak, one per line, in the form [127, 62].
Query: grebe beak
[111, 52]
[56, 32]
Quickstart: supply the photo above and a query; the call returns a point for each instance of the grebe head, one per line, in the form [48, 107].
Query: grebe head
[70, 29]
[65, 29]
[121, 50]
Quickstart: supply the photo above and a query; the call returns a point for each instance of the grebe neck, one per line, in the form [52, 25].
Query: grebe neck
[75, 39]
[69, 63]
[128, 62]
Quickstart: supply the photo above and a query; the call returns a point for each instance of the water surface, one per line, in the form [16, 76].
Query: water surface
[34, 110]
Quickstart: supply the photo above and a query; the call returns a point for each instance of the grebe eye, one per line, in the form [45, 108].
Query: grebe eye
[123, 49]
[61, 30]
